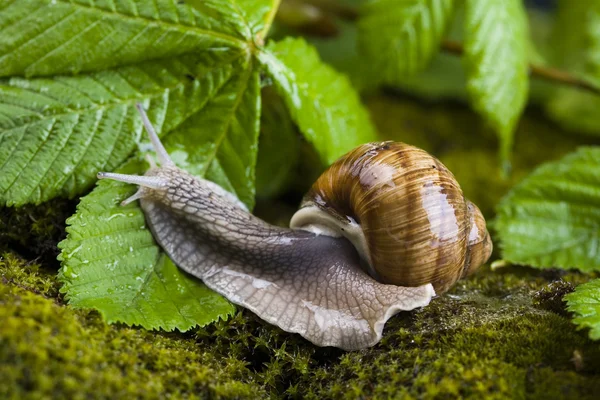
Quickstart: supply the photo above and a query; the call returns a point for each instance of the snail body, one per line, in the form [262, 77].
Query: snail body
[327, 278]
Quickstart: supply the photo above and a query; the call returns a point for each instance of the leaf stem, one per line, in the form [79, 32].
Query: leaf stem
[268, 22]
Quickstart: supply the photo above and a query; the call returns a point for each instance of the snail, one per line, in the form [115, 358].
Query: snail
[384, 229]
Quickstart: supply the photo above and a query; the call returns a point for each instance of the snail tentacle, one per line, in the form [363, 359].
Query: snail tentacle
[153, 182]
[163, 157]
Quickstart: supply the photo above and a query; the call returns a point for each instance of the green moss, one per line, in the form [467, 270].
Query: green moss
[489, 337]
[27, 275]
[49, 350]
[480, 340]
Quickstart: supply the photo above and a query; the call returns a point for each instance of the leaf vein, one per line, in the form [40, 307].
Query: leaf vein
[62, 45]
[32, 157]
[37, 35]
[223, 36]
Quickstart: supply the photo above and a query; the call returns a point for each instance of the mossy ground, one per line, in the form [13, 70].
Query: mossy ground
[499, 334]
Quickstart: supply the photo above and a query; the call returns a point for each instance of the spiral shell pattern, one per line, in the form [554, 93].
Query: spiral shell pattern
[418, 227]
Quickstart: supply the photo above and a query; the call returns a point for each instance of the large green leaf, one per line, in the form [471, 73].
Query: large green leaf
[110, 262]
[56, 134]
[321, 101]
[585, 304]
[44, 37]
[399, 37]
[496, 46]
[552, 218]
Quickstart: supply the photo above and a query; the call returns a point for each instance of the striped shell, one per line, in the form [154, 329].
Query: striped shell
[404, 212]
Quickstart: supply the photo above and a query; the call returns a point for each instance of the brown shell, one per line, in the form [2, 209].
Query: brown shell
[419, 228]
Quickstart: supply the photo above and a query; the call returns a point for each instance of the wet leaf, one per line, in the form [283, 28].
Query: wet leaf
[56, 134]
[45, 37]
[111, 263]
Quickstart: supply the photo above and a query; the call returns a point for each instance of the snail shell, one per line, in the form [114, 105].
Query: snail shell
[405, 213]
[400, 207]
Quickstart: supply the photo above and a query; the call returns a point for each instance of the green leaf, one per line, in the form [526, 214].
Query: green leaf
[321, 101]
[55, 135]
[552, 218]
[584, 302]
[110, 262]
[496, 60]
[398, 38]
[44, 37]
[251, 17]
[341, 52]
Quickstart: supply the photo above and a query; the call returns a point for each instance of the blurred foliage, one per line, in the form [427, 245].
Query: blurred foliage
[562, 39]
[576, 40]
[399, 38]
[552, 217]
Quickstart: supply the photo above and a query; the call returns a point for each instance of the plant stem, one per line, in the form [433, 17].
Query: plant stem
[539, 71]
[269, 21]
